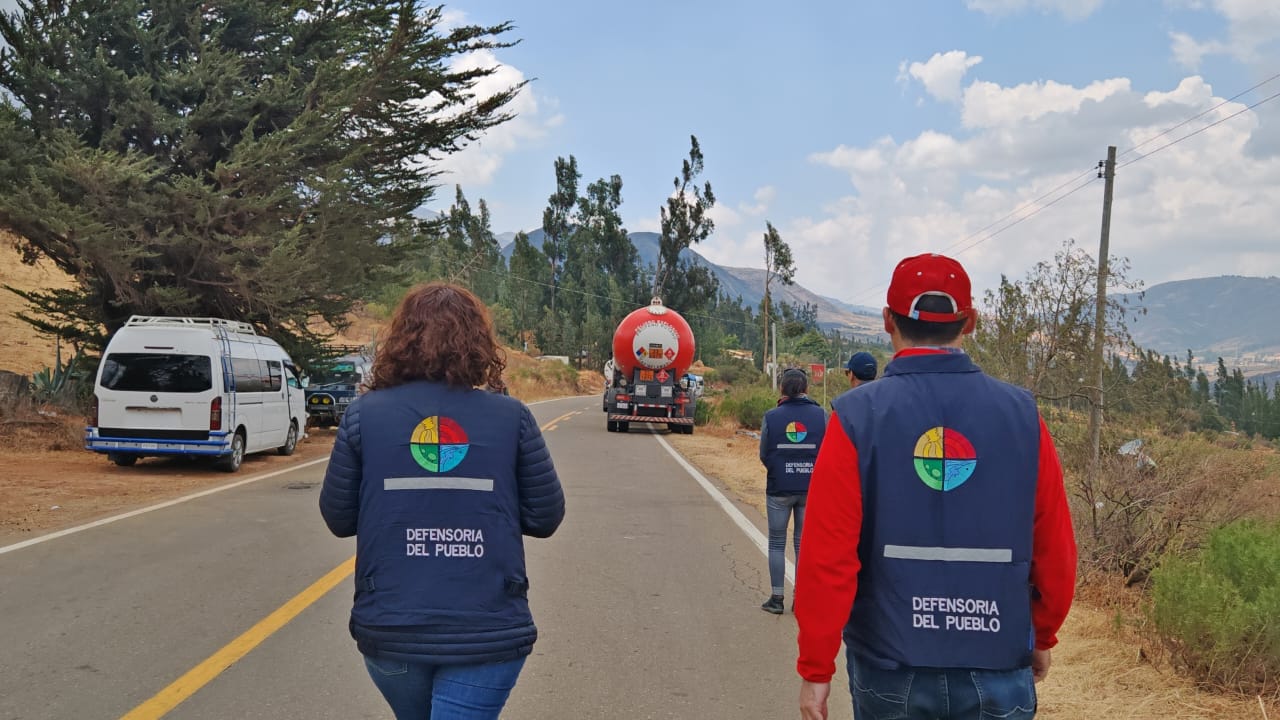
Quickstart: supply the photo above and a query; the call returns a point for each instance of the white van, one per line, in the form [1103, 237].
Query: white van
[194, 386]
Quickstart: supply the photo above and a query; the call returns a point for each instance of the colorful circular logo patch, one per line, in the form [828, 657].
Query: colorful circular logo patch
[944, 458]
[796, 431]
[438, 444]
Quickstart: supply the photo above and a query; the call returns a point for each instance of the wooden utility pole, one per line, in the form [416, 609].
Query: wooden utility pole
[1108, 171]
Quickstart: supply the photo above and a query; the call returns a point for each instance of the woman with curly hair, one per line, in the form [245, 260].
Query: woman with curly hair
[438, 477]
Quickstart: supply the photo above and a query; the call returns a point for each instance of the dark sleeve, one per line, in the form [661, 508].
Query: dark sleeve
[340, 495]
[541, 497]
[764, 442]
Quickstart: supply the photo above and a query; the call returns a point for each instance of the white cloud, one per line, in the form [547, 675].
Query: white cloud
[1253, 34]
[1070, 9]
[478, 163]
[987, 104]
[726, 216]
[941, 74]
[1203, 206]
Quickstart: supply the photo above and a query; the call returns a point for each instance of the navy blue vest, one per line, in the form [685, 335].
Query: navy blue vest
[794, 432]
[440, 568]
[949, 460]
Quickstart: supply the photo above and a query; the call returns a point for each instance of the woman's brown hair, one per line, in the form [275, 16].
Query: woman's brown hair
[440, 332]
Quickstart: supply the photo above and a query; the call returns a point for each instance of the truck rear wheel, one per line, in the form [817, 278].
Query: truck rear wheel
[611, 426]
[624, 426]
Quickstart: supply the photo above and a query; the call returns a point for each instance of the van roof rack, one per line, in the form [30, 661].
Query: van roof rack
[162, 320]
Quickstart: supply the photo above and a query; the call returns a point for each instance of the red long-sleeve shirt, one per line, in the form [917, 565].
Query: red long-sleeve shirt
[827, 577]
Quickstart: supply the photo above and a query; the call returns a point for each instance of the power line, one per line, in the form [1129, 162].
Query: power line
[1192, 134]
[1200, 115]
[1020, 220]
[1030, 215]
[1030, 203]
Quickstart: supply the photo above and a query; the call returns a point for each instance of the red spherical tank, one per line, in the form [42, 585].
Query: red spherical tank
[653, 338]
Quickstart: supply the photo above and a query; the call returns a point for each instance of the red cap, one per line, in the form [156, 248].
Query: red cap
[930, 274]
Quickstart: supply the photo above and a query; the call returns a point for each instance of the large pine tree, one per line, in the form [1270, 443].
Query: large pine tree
[242, 159]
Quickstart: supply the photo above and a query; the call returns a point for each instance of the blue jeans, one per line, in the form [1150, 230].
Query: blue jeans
[940, 694]
[419, 691]
[780, 509]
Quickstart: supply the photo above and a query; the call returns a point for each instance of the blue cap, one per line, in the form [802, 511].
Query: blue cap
[862, 365]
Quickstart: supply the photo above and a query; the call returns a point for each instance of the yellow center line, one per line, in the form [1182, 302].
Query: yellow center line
[200, 675]
[552, 424]
[231, 653]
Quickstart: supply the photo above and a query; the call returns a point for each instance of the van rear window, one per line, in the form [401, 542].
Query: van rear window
[157, 372]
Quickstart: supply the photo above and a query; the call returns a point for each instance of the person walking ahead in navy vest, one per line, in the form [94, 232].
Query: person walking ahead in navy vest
[438, 479]
[789, 438]
[938, 540]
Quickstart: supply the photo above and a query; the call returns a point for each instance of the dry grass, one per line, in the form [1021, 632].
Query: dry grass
[25, 352]
[1099, 669]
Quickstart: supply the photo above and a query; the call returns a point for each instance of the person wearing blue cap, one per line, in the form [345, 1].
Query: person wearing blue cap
[860, 369]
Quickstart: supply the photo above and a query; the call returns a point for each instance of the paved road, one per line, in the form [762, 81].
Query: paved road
[647, 601]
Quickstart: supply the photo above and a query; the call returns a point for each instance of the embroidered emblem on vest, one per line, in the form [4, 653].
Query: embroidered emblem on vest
[438, 444]
[944, 458]
[796, 431]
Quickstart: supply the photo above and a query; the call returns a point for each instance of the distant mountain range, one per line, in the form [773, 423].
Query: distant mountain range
[1228, 317]
[748, 285]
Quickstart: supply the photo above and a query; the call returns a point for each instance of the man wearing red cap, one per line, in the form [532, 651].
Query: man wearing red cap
[938, 541]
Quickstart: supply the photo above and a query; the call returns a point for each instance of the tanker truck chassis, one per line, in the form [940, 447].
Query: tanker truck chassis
[651, 398]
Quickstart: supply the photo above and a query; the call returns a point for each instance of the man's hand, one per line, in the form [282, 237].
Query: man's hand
[1040, 661]
[813, 700]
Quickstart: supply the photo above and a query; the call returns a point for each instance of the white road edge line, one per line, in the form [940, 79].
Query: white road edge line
[159, 506]
[753, 532]
[185, 498]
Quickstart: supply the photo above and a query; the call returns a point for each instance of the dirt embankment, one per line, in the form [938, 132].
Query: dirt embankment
[25, 351]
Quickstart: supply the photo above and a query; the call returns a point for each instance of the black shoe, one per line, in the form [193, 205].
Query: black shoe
[773, 605]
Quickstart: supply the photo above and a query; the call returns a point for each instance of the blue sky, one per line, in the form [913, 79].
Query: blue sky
[868, 131]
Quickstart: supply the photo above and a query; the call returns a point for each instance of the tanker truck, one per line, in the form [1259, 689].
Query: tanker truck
[646, 380]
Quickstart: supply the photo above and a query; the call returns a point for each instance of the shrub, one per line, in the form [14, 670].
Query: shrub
[703, 412]
[1131, 516]
[748, 406]
[734, 371]
[1218, 613]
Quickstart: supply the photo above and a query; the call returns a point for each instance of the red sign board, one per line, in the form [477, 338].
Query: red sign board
[817, 372]
[662, 376]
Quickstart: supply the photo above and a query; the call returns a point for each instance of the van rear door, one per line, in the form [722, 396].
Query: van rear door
[157, 394]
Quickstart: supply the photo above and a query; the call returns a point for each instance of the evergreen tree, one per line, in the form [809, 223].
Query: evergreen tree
[682, 284]
[557, 220]
[473, 256]
[777, 262]
[528, 289]
[247, 160]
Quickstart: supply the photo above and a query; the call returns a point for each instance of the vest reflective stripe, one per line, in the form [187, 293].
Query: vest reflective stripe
[949, 460]
[949, 554]
[789, 458]
[438, 483]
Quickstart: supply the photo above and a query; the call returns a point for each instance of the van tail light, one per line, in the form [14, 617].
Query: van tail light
[215, 414]
[93, 412]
